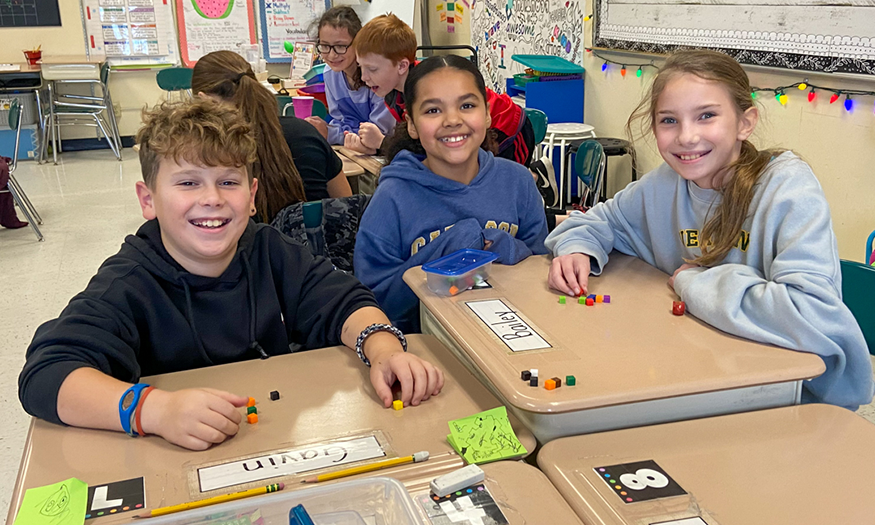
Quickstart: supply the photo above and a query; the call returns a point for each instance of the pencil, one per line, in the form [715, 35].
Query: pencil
[212, 501]
[415, 458]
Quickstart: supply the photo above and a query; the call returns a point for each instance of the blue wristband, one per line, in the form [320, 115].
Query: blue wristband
[127, 405]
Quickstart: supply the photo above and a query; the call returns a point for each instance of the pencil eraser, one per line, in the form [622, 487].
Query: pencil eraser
[459, 479]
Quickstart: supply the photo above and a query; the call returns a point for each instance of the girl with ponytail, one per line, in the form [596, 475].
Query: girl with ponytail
[319, 173]
[746, 235]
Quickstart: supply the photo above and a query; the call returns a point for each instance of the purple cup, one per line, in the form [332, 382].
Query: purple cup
[303, 106]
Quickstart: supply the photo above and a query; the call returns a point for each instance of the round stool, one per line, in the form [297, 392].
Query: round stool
[614, 147]
[561, 135]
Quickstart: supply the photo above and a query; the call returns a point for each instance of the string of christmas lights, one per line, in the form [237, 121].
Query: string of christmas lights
[779, 92]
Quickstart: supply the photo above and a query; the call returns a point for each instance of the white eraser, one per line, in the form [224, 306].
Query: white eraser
[459, 479]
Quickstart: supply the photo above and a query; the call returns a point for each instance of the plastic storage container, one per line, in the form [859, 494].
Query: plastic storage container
[377, 501]
[458, 271]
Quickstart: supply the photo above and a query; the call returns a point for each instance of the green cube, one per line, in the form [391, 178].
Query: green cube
[570, 381]
[561, 299]
[581, 300]
[251, 410]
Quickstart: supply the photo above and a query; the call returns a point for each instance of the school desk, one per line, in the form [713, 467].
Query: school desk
[25, 79]
[325, 396]
[370, 163]
[634, 362]
[800, 465]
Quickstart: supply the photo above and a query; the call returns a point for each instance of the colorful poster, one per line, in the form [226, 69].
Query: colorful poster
[131, 32]
[287, 20]
[502, 28]
[213, 25]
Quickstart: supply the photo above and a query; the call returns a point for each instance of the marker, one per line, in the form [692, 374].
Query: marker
[416, 458]
[212, 501]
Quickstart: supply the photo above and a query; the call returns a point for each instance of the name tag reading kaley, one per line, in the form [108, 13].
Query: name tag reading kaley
[506, 323]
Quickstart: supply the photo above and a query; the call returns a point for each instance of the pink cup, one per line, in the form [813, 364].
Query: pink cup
[303, 106]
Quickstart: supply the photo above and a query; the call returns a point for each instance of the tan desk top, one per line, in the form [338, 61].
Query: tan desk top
[808, 464]
[368, 162]
[70, 59]
[325, 394]
[24, 67]
[628, 351]
[350, 168]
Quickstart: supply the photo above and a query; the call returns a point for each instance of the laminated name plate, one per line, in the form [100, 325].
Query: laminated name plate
[506, 323]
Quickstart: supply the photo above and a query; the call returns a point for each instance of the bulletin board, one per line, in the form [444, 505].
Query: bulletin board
[502, 28]
[131, 33]
[287, 20]
[791, 34]
[213, 25]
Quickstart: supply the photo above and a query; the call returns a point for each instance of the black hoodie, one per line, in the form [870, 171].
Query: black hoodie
[143, 314]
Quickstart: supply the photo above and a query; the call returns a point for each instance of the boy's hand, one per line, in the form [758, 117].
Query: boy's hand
[683, 267]
[570, 274]
[371, 136]
[195, 418]
[354, 142]
[419, 379]
[320, 126]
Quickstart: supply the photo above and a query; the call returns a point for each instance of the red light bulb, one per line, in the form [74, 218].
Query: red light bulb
[811, 95]
[833, 98]
[623, 71]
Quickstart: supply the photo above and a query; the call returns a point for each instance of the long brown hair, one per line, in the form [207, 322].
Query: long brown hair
[343, 17]
[721, 233]
[227, 75]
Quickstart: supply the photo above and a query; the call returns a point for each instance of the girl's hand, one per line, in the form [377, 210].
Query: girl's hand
[354, 142]
[371, 135]
[389, 363]
[195, 418]
[570, 274]
[683, 267]
[320, 126]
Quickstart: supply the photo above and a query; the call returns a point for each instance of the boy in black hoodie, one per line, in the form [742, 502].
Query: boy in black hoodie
[200, 284]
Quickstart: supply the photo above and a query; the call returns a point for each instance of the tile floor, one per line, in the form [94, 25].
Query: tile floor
[88, 205]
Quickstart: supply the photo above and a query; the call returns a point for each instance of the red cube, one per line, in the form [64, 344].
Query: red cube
[678, 307]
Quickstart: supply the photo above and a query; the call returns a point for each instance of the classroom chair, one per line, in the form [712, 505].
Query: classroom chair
[589, 164]
[615, 147]
[69, 109]
[12, 186]
[870, 257]
[565, 137]
[328, 227]
[175, 80]
[282, 101]
[858, 292]
[539, 125]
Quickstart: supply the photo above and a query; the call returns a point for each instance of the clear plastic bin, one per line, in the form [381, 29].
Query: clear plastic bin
[458, 271]
[377, 501]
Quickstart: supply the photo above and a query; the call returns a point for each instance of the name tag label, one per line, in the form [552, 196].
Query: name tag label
[289, 462]
[507, 324]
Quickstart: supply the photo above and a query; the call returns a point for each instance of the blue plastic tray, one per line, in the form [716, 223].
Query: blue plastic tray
[548, 64]
[459, 263]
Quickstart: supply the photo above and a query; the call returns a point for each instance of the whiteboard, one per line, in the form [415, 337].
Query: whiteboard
[502, 28]
[202, 31]
[131, 32]
[812, 35]
[287, 20]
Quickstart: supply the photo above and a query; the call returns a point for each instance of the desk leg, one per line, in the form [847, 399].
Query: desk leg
[55, 131]
[41, 127]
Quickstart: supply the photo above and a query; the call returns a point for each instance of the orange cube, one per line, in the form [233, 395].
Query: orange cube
[252, 418]
[599, 298]
[251, 402]
[550, 384]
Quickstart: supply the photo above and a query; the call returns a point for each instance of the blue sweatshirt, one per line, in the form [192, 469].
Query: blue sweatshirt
[348, 108]
[780, 285]
[416, 216]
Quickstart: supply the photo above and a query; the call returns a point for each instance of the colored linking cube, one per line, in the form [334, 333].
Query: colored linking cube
[678, 307]
[581, 300]
[561, 299]
[274, 395]
[397, 404]
[589, 302]
[251, 402]
[526, 375]
[251, 410]
[252, 418]
[533, 381]
[570, 381]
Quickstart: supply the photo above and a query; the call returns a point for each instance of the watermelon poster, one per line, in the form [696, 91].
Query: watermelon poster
[212, 25]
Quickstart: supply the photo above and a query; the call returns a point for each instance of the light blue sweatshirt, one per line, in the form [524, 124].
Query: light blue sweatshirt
[416, 216]
[781, 284]
[348, 108]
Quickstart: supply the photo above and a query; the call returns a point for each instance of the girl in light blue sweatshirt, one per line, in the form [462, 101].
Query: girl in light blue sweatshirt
[746, 235]
[351, 104]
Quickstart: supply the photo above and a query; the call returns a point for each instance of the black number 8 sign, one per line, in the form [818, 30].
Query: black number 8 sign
[639, 481]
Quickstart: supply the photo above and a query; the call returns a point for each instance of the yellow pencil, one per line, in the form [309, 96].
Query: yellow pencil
[212, 501]
[416, 458]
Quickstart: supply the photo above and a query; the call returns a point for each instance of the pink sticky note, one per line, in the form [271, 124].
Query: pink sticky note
[451, 29]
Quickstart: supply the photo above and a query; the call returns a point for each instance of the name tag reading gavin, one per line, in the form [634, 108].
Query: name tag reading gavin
[289, 462]
[504, 322]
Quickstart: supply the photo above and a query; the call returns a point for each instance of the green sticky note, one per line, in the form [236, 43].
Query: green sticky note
[485, 437]
[450, 6]
[59, 504]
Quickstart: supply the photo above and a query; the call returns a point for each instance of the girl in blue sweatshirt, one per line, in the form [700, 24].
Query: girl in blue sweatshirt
[441, 192]
[351, 104]
[746, 235]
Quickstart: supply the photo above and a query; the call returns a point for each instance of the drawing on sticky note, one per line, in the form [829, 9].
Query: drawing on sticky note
[60, 504]
[484, 437]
